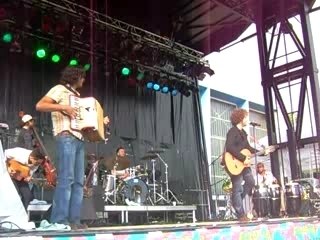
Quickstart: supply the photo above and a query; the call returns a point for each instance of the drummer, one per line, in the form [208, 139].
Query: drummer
[264, 177]
[118, 163]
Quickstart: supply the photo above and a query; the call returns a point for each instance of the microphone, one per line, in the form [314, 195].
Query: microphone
[254, 124]
[129, 154]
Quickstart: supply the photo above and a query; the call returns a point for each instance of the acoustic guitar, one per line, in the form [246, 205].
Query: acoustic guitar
[20, 170]
[235, 166]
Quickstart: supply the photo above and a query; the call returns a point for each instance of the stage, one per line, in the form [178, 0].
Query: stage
[286, 228]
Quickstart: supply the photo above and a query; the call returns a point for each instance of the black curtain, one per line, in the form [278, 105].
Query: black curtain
[141, 120]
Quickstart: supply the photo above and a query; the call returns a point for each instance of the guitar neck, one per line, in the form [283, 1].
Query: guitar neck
[258, 153]
[40, 142]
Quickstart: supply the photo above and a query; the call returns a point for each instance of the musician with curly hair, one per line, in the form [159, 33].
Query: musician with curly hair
[68, 194]
[237, 140]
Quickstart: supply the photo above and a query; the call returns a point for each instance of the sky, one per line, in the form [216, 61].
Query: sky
[237, 69]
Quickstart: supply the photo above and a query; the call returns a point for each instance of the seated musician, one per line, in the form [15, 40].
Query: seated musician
[21, 164]
[264, 177]
[118, 163]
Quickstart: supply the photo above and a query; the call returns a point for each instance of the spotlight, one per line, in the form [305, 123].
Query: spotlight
[7, 37]
[208, 70]
[200, 69]
[87, 66]
[156, 87]
[183, 88]
[193, 88]
[55, 58]
[73, 62]
[149, 85]
[165, 89]
[186, 93]
[140, 75]
[174, 92]
[125, 71]
[41, 53]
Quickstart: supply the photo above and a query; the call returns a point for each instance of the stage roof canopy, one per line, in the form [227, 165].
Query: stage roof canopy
[205, 25]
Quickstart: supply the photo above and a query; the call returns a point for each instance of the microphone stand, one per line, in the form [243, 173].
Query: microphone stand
[259, 212]
[215, 185]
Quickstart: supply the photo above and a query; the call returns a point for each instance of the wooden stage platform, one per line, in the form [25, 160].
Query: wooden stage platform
[286, 228]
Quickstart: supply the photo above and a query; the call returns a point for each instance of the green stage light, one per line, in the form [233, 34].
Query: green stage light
[73, 62]
[7, 37]
[125, 71]
[140, 76]
[41, 53]
[55, 58]
[87, 66]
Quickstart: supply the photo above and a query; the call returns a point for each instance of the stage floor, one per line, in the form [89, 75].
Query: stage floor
[285, 228]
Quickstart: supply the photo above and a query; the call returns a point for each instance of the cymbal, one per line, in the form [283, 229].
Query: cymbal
[156, 151]
[122, 162]
[149, 157]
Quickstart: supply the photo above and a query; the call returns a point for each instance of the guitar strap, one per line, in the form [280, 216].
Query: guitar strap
[71, 89]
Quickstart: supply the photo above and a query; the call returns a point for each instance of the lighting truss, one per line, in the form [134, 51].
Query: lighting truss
[81, 12]
[189, 58]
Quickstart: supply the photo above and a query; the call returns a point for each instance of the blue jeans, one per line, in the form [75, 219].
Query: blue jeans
[239, 190]
[68, 194]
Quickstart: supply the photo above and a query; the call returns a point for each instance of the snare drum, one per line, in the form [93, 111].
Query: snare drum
[261, 200]
[293, 198]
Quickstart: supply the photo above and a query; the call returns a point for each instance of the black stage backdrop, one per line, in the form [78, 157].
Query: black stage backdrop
[141, 120]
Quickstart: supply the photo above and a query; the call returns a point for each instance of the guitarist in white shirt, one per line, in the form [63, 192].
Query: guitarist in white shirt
[237, 140]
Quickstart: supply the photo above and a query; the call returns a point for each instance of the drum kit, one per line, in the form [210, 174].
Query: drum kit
[139, 185]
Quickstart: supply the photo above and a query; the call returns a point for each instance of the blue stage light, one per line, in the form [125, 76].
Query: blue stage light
[174, 92]
[156, 87]
[165, 89]
[150, 85]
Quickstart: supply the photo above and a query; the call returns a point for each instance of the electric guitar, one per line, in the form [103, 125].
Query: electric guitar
[235, 166]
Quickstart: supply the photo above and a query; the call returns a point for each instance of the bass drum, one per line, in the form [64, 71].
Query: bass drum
[135, 192]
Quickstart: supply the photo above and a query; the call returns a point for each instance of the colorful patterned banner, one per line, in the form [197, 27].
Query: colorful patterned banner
[286, 231]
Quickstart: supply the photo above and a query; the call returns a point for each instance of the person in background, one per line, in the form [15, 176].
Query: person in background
[264, 177]
[68, 194]
[118, 163]
[26, 138]
[21, 158]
